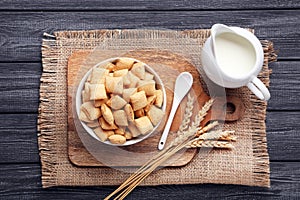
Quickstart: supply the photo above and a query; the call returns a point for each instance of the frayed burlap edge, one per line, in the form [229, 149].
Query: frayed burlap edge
[259, 137]
[50, 83]
[46, 125]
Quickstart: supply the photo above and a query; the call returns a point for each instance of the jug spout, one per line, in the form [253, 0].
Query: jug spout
[220, 28]
[215, 30]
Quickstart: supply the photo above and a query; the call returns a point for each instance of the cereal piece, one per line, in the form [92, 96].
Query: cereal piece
[97, 92]
[116, 102]
[134, 130]
[110, 67]
[128, 92]
[102, 134]
[144, 125]
[93, 124]
[138, 69]
[85, 96]
[98, 75]
[86, 92]
[155, 115]
[114, 84]
[126, 80]
[108, 133]
[107, 114]
[128, 135]
[129, 112]
[150, 102]
[159, 98]
[90, 111]
[120, 131]
[139, 113]
[120, 118]
[120, 73]
[138, 100]
[148, 76]
[105, 126]
[87, 87]
[98, 103]
[83, 117]
[147, 86]
[117, 139]
[133, 80]
[124, 63]
[151, 99]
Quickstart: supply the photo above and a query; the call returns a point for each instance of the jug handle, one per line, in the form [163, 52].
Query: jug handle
[259, 89]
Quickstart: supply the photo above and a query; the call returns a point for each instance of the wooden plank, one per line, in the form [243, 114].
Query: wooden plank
[283, 135]
[24, 182]
[19, 83]
[144, 5]
[19, 137]
[284, 86]
[21, 32]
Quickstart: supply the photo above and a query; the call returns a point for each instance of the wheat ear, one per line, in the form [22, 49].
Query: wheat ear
[187, 115]
[180, 142]
[207, 128]
[217, 135]
[209, 143]
[204, 110]
[195, 124]
[229, 138]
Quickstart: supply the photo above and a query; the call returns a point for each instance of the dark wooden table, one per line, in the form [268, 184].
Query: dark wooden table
[22, 23]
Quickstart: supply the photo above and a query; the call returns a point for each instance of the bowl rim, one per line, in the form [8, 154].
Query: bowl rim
[78, 101]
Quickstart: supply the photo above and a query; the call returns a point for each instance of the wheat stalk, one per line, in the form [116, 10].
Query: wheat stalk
[195, 124]
[188, 137]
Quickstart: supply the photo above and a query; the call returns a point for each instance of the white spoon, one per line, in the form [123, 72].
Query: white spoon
[183, 84]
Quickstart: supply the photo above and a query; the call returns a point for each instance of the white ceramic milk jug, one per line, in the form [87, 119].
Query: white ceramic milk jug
[233, 57]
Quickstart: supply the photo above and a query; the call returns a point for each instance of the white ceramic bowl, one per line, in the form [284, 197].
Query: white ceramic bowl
[159, 84]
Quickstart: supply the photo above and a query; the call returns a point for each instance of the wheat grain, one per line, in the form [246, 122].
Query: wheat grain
[207, 128]
[229, 138]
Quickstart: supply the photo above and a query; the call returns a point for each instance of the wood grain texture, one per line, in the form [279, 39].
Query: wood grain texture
[143, 5]
[19, 86]
[19, 137]
[285, 86]
[23, 182]
[21, 32]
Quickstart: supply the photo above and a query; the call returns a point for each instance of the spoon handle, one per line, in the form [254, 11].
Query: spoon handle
[164, 136]
[183, 84]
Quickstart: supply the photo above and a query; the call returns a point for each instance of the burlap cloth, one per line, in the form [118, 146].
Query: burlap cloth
[247, 164]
